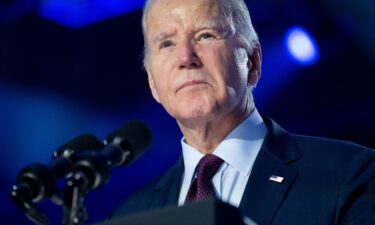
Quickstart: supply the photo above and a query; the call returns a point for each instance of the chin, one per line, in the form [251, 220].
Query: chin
[194, 109]
[194, 116]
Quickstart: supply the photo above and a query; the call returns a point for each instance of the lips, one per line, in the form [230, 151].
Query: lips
[191, 83]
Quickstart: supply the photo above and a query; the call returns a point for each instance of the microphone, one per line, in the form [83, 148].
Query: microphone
[37, 181]
[131, 140]
[122, 147]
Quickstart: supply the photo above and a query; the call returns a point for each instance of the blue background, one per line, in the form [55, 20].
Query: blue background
[73, 67]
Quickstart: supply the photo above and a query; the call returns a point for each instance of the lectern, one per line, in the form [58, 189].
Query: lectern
[208, 212]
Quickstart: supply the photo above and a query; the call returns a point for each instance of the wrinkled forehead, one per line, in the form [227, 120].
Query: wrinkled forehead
[158, 5]
[159, 10]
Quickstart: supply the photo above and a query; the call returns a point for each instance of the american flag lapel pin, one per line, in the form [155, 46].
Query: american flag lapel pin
[277, 179]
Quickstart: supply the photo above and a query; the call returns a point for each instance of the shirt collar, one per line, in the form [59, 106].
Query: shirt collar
[239, 148]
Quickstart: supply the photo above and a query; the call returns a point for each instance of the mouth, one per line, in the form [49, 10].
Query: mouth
[191, 83]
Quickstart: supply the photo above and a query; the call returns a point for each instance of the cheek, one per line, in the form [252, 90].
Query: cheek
[221, 65]
[163, 58]
[163, 87]
[229, 70]
[160, 66]
[214, 60]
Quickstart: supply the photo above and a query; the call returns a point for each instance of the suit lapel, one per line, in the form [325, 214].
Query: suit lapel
[263, 197]
[167, 190]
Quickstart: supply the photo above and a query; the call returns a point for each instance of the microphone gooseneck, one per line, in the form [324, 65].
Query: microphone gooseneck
[86, 163]
[37, 181]
[93, 169]
[122, 147]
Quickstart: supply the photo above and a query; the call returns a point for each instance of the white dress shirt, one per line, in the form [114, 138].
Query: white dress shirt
[238, 150]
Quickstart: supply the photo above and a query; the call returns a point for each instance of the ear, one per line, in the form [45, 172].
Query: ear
[254, 65]
[151, 84]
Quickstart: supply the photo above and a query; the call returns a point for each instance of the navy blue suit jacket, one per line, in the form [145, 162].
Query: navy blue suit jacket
[325, 182]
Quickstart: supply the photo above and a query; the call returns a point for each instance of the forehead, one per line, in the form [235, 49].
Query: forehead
[184, 12]
[157, 6]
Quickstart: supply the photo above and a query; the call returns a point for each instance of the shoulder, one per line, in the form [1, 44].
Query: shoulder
[343, 161]
[310, 146]
[317, 155]
[149, 196]
[336, 175]
[331, 148]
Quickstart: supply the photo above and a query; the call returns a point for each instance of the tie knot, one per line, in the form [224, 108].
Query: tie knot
[202, 187]
[208, 166]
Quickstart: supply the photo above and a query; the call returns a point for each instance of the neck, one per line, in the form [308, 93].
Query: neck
[207, 135]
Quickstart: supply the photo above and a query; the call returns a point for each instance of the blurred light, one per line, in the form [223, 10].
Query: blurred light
[76, 14]
[12, 9]
[302, 46]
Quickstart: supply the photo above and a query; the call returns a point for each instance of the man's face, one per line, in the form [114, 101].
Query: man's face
[197, 68]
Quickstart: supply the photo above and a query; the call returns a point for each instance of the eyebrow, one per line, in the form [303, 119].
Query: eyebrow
[162, 36]
[209, 26]
[214, 27]
[221, 28]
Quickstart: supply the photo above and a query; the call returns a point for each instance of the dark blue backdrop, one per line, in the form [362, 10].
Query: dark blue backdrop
[72, 67]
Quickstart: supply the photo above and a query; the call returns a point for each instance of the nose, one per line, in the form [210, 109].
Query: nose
[188, 57]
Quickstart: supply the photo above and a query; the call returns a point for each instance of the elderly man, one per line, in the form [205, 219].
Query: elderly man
[203, 58]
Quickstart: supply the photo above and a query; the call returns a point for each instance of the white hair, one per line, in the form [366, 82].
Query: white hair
[237, 13]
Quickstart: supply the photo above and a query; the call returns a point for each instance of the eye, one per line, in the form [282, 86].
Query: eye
[205, 36]
[166, 44]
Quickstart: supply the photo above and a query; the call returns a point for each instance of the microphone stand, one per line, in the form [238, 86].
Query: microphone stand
[93, 169]
[18, 196]
[89, 173]
[74, 195]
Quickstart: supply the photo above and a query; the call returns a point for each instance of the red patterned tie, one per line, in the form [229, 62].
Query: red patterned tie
[202, 187]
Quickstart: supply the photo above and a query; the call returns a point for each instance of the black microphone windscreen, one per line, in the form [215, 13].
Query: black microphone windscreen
[135, 135]
[82, 142]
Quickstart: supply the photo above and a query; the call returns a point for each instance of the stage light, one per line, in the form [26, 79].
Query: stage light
[301, 46]
[76, 14]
